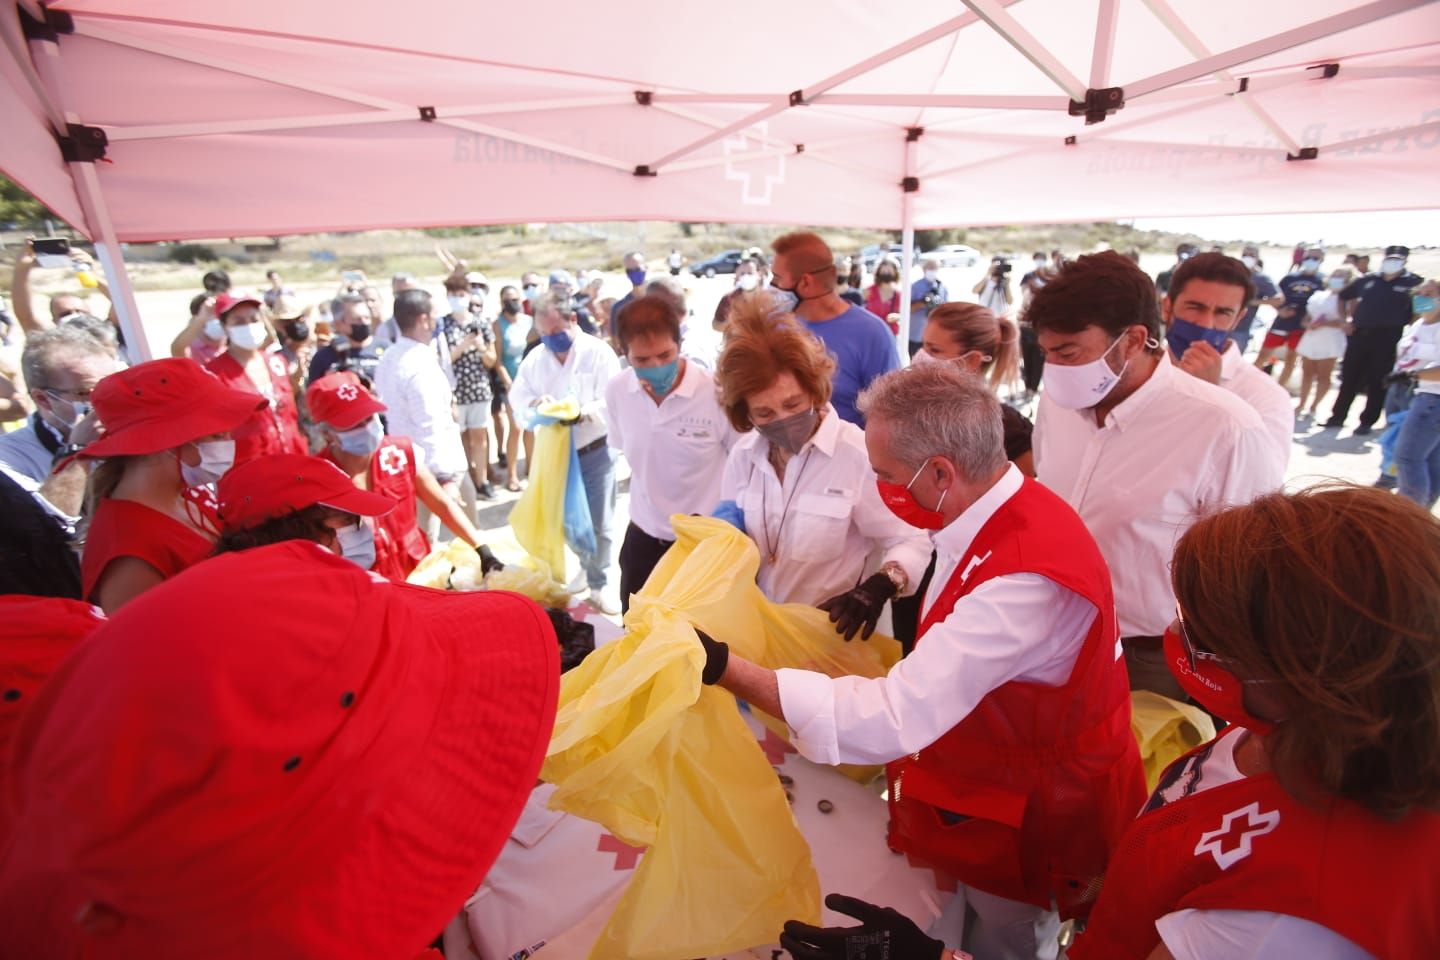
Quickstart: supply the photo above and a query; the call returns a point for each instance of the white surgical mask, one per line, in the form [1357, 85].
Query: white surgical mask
[932, 275]
[216, 457]
[362, 440]
[1309, 266]
[357, 544]
[922, 356]
[1337, 283]
[1040, 263]
[214, 330]
[785, 300]
[747, 282]
[1249, 261]
[248, 336]
[1391, 265]
[459, 304]
[1084, 385]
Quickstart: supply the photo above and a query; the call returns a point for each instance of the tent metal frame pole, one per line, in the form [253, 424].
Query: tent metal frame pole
[46, 59]
[907, 255]
[1027, 46]
[1276, 43]
[1104, 53]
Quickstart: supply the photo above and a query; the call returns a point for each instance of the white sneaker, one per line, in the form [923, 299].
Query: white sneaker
[606, 601]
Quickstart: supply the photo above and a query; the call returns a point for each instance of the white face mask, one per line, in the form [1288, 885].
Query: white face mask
[1249, 261]
[1309, 266]
[1040, 263]
[357, 544]
[247, 336]
[214, 330]
[361, 441]
[1337, 283]
[216, 458]
[459, 304]
[932, 275]
[1082, 386]
[747, 282]
[1391, 265]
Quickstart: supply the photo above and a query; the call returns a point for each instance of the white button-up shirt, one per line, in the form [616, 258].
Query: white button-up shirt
[824, 520]
[1018, 626]
[22, 451]
[676, 448]
[418, 405]
[1266, 397]
[589, 367]
[1173, 450]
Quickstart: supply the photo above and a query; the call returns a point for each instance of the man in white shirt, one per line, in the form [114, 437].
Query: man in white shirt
[1137, 447]
[1207, 297]
[1016, 659]
[572, 363]
[61, 366]
[416, 393]
[665, 418]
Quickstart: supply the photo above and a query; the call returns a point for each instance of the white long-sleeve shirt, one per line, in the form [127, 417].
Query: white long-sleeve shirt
[1170, 452]
[589, 367]
[1263, 395]
[816, 529]
[418, 405]
[1014, 627]
[676, 448]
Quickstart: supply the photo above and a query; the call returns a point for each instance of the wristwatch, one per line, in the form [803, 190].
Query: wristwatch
[896, 575]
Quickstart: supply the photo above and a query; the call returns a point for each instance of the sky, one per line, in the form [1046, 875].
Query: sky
[1412, 228]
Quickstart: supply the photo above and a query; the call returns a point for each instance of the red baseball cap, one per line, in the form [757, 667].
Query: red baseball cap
[326, 778]
[160, 404]
[225, 302]
[268, 487]
[341, 401]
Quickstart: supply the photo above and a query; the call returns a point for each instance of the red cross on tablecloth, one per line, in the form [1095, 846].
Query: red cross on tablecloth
[626, 856]
[776, 748]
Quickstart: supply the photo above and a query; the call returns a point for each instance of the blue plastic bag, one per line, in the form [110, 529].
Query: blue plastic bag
[579, 529]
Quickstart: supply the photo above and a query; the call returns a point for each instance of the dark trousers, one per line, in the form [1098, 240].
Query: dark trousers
[1032, 358]
[1369, 357]
[638, 556]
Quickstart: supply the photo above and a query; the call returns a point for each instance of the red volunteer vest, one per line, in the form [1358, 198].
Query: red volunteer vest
[400, 544]
[271, 429]
[1026, 797]
[1248, 845]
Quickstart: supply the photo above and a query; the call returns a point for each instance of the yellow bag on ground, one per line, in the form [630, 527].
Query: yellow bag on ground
[1165, 730]
[538, 516]
[531, 578]
[448, 566]
[664, 762]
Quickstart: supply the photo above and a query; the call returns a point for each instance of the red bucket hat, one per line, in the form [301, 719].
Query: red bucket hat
[341, 401]
[269, 487]
[161, 404]
[329, 778]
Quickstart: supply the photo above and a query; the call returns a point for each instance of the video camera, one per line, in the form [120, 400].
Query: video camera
[999, 267]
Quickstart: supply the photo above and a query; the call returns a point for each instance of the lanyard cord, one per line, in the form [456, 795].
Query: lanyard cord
[772, 548]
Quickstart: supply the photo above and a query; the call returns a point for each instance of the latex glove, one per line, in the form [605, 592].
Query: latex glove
[717, 658]
[860, 607]
[488, 562]
[730, 512]
[884, 934]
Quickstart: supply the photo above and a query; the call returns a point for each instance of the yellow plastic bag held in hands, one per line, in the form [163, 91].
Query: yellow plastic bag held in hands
[538, 516]
[664, 762]
[1165, 730]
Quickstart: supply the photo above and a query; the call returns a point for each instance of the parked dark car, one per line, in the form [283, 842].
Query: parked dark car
[720, 263]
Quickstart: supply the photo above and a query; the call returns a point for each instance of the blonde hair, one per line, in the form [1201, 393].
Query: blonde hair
[975, 328]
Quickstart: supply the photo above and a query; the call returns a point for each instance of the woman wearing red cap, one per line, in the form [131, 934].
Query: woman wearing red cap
[274, 427]
[167, 435]
[345, 414]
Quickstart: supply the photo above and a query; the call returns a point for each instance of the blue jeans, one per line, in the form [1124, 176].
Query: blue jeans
[597, 472]
[1417, 450]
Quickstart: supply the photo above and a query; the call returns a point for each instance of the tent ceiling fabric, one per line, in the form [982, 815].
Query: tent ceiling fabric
[270, 117]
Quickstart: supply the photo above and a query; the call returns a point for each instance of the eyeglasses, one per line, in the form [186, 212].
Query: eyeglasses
[69, 396]
[1195, 655]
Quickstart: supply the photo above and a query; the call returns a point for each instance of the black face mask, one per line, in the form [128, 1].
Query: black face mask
[359, 332]
[510, 306]
[297, 330]
[884, 278]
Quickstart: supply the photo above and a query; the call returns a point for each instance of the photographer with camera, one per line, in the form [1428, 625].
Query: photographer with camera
[994, 290]
[926, 293]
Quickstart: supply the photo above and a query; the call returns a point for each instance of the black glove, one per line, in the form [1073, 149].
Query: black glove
[488, 563]
[717, 658]
[860, 606]
[884, 934]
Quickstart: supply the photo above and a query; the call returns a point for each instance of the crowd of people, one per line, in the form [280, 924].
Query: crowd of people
[250, 732]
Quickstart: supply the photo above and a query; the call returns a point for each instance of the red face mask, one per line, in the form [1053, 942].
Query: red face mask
[903, 504]
[1213, 685]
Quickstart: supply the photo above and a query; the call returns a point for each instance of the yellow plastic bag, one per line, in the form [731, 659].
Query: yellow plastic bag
[451, 566]
[1165, 729]
[663, 762]
[530, 578]
[538, 516]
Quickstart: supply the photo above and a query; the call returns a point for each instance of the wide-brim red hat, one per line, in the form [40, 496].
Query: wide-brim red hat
[329, 777]
[161, 404]
[341, 400]
[269, 487]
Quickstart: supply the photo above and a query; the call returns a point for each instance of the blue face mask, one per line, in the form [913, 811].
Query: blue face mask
[660, 378]
[1182, 333]
[636, 277]
[558, 342]
[361, 441]
[1423, 304]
